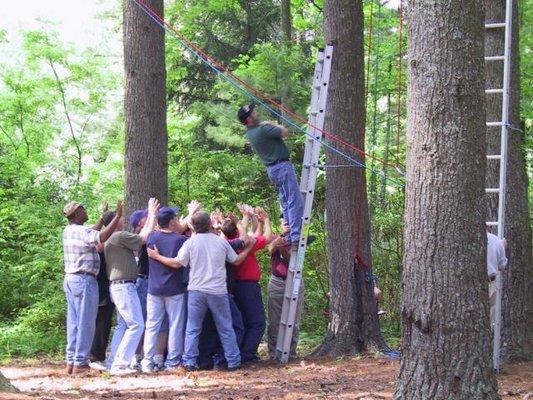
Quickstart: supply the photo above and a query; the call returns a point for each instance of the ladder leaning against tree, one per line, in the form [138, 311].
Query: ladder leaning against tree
[501, 190]
[319, 96]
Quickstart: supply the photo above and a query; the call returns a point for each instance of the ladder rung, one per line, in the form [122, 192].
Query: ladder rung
[495, 25]
[495, 123]
[493, 91]
[492, 223]
[492, 190]
[494, 58]
[494, 157]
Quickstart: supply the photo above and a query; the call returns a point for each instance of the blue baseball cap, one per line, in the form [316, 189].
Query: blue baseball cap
[136, 217]
[165, 214]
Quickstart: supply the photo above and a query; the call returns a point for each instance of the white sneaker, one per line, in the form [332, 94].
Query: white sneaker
[97, 365]
[122, 371]
[147, 367]
[159, 361]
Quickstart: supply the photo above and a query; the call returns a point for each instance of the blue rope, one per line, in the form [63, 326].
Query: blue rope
[219, 73]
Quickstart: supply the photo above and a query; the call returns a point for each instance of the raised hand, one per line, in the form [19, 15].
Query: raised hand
[105, 206]
[153, 206]
[193, 207]
[120, 209]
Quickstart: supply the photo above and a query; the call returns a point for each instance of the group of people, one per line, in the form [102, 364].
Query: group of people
[189, 285]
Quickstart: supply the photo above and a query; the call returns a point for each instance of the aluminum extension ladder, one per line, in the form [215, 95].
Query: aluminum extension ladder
[319, 97]
[501, 190]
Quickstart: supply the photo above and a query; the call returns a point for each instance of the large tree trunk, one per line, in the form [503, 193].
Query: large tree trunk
[517, 302]
[6, 386]
[286, 41]
[353, 325]
[144, 106]
[446, 347]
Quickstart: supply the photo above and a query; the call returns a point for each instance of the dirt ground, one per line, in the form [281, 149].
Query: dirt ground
[362, 379]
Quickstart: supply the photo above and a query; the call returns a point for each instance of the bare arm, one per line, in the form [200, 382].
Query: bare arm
[193, 207]
[265, 220]
[100, 223]
[169, 262]
[153, 206]
[109, 229]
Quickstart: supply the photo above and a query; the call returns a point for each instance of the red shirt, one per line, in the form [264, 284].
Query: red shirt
[250, 270]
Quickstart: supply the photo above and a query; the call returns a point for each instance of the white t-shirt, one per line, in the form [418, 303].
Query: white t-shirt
[206, 254]
[495, 254]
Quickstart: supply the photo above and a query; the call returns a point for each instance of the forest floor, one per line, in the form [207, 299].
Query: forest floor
[349, 378]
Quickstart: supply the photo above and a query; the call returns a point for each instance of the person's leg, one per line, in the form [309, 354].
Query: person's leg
[129, 307]
[492, 302]
[142, 291]
[196, 309]
[276, 291]
[70, 287]
[219, 306]
[250, 302]
[101, 333]
[277, 177]
[155, 311]
[174, 306]
[88, 308]
[238, 327]
[209, 343]
[295, 204]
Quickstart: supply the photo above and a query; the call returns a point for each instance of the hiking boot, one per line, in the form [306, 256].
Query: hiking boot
[191, 368]
[69, 368]
[80, 369]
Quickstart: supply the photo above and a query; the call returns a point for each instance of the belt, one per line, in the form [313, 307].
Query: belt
[121, 282]
[143, 276]
[277, 162]
[83, 273]
[492, 278]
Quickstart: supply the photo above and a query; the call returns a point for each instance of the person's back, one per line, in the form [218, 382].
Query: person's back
[120, 259]
[206, 254]
[267, 143]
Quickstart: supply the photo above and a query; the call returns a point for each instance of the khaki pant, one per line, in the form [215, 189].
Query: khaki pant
[276, 290]
[492, 301]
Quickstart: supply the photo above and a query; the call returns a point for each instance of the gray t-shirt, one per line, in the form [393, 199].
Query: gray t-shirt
[267, 143]
[119, 257]
[206, 254]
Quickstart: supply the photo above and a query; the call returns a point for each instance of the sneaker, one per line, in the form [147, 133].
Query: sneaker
[233, 368]
[97, 365]
[122, 371]
[147, 367]
[191, 368]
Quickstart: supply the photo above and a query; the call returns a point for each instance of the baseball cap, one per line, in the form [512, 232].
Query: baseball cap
[165, 214]
[245, 111]
[136, 217]
[71, 207]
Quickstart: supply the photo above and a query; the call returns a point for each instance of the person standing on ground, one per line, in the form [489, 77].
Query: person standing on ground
[82, 265]
[122, 270]
[267, 141]
[496, 261]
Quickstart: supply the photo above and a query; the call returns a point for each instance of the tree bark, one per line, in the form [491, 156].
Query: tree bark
[353, 325]
[517, 302]
[6, 386]
[446, 346]
[144, 106]
[286, 41]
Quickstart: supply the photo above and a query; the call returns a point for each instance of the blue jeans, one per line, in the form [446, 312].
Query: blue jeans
[81, 292]
[283, 176]
[210, 349]
[250, 303]
[174, 307]
[197, 305]
[142, 291]
[130, 324]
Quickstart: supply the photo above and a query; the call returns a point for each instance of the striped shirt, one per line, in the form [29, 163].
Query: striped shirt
[79, 249]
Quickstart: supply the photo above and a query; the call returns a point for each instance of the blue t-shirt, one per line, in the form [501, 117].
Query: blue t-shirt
[163, 280]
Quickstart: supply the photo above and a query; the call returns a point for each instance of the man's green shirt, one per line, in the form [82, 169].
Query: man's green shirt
[267, 143]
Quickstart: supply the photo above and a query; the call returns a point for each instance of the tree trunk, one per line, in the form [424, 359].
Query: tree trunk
[6, 386]
[517, 302]
[286, 41]
[353, 325]
[446, 346]
[144, 106]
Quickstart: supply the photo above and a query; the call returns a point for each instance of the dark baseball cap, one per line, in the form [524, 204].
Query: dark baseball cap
[245, 111]
[165, 215]
[136, 217]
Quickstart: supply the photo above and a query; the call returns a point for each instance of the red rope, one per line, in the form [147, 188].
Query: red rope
[255, 91]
